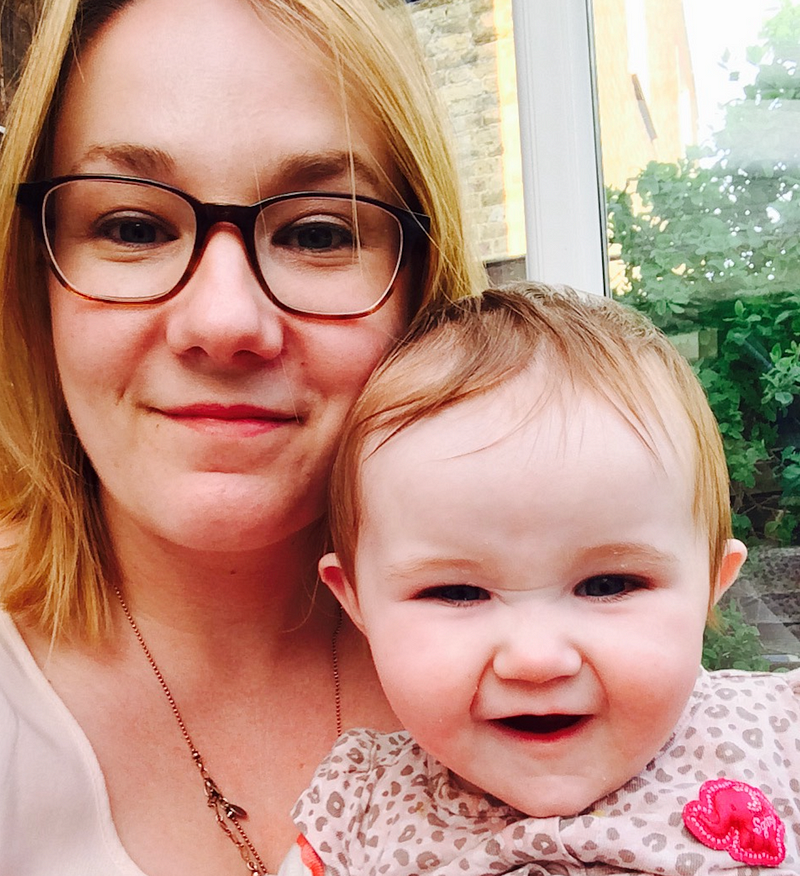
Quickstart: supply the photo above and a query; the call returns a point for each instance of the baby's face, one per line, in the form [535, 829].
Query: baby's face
[534, 595]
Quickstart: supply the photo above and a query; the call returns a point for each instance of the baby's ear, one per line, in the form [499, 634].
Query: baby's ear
[331, 572]
[732, 561]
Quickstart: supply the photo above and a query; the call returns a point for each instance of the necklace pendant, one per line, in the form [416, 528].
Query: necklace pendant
[223, 809]
[216, 799]
[234, 811]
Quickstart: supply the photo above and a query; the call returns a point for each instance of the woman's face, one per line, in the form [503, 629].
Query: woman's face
[211, 418]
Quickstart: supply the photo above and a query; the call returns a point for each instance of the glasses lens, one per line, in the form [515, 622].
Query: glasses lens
[328, 255]
[118, 241]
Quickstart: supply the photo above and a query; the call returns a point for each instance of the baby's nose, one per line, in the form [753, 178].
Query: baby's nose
[536, 650]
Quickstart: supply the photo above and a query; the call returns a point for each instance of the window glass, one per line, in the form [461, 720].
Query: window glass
[699, 110]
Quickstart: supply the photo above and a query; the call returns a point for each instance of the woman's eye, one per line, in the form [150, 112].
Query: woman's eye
[458, 594]
[134, 231]
[317, 237]
[607, 586]
[137, 232]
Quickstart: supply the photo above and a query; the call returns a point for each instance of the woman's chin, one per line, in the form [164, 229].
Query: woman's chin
[235, 518]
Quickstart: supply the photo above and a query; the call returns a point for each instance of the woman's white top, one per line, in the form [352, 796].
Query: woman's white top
[55, 817]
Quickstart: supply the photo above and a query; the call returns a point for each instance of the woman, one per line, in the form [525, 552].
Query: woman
[176, 375]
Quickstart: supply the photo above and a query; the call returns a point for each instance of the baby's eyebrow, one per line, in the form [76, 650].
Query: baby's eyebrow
[639, 552]
[419, 565]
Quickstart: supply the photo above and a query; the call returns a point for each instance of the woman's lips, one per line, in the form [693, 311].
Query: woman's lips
[239, 420]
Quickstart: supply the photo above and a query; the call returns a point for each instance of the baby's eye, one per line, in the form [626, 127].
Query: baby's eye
[458, 594]
[608, 586]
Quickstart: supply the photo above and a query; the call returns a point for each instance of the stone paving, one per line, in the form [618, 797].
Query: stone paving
[768, 592]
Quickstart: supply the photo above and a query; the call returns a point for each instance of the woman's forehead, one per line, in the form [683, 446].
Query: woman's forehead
[221, 92]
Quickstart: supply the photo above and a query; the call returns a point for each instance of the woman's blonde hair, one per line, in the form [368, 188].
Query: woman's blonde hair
[60, 560]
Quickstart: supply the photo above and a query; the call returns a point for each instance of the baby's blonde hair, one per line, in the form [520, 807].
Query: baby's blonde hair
[467, 348]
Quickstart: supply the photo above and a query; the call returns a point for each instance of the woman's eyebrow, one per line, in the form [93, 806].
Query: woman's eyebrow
[147, 161]
[297, 171]
[312, 168]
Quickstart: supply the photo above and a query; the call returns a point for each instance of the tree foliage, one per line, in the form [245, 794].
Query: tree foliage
[711, 244]
[732, 643]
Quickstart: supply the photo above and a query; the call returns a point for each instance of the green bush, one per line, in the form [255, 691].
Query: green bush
[732, 643]
[709, 247]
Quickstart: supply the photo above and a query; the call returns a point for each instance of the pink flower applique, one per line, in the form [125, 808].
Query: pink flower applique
[737, 818]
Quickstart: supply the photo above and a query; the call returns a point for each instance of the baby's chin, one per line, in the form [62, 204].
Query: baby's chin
[557, 796]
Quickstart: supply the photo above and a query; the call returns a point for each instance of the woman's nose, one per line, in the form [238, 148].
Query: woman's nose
[223, 314]
[536, 649]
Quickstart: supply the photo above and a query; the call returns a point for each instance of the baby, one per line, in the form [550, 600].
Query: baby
[531, 520]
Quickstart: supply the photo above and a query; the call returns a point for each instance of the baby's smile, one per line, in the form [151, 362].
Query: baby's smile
[542, 727]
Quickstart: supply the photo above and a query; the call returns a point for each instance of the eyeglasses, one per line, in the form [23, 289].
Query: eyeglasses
[129, 240]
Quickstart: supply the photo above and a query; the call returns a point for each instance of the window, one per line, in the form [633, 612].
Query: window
[700, 172]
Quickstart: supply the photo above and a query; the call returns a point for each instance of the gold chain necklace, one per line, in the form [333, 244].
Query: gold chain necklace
[228, 815]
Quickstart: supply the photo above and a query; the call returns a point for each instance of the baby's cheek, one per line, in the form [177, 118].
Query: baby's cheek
[417, 683]
[649, 708]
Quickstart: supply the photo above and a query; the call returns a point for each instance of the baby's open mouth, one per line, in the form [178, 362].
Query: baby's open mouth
[541, 725]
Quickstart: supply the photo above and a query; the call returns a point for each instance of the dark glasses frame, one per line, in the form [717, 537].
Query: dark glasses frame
[31, 197]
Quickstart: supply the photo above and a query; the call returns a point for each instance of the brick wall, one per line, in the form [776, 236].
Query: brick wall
[469, 45]
[16, 26]
[461, 42]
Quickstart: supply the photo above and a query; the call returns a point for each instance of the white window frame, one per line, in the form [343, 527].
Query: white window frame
[561, 168]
